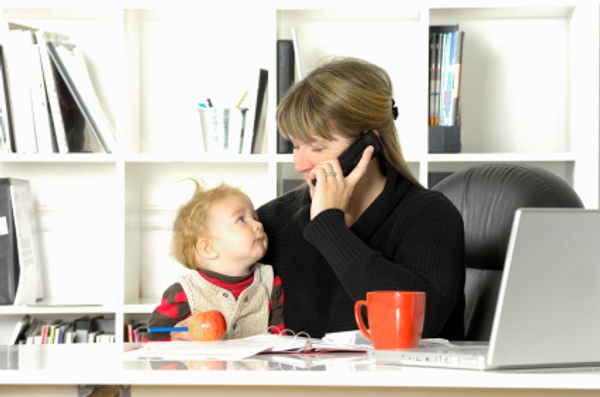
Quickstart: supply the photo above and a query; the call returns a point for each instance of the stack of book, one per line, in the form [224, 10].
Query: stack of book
[445, 59]
[135, 330]
[47, 100]
[30, 330]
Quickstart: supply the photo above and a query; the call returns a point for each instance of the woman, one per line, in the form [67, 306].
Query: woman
[333, 241]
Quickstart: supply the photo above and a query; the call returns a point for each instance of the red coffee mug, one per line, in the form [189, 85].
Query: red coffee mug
[395, 318]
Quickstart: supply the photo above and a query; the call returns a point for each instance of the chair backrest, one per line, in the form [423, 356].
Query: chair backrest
[487, 196]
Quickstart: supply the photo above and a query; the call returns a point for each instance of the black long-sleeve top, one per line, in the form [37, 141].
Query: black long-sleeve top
[409, 238]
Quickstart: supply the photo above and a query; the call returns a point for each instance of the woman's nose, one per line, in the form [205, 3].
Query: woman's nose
[301, 162]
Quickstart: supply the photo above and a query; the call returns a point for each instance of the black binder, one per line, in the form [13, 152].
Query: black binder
[9, 256]
[285, 79]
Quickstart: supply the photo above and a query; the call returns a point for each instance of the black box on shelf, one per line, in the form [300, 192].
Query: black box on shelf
[444, 139]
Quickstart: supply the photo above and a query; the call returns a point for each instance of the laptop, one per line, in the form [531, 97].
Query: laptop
[548, 310]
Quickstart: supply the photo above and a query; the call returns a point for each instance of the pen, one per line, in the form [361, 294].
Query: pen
[210, 105]
[168, 329]
[202, 105]
[242, 100]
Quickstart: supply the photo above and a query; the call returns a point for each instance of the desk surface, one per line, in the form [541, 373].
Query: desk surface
[107, 364]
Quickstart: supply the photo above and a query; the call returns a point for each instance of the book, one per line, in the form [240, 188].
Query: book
[297, 55]
[254, 102]
[130, 333]
[20, 260]
[9, 256]
[93, 335]
[20, 329]
[44, 334]
[35, 329]
[16, 55]
[52, 89]
[46, 142]
[455, 97]
[70, 64]
[438, 77]
[285, 79]
[433, 46]
[106, 325]
[259, 127]
[54, 336]
[6, 132]
[82, 327]
[68, 333]
[445, 58]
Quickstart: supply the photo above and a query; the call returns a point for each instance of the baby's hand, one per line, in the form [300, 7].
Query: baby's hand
[181, 335]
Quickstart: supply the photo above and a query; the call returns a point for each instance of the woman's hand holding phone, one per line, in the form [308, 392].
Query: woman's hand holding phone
[332, 189]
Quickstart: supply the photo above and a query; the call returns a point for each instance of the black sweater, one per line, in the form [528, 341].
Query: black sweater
[408, 239]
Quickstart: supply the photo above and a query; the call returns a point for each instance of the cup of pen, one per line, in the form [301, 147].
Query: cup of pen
[223, 129]
[395, 318]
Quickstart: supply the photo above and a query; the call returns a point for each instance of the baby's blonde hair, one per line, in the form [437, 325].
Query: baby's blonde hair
[191, 222]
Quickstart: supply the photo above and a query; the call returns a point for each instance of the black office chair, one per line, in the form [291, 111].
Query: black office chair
[487, 196]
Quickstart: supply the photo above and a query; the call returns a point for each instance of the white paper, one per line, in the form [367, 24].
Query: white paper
[227, 350]
[356, 340]
[28, 262]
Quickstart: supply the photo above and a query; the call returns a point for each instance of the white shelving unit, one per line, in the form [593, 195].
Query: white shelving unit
[530, 94]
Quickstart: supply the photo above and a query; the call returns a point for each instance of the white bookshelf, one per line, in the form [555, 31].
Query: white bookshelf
[530, 94]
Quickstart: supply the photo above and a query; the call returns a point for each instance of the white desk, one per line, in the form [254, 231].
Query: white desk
[56, 370]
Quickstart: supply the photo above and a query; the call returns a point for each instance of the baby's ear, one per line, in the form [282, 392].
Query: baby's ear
[206, 250]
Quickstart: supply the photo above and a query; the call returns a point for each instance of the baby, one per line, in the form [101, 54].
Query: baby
[217, 234]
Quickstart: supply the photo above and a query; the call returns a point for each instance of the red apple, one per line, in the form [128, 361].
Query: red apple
[207, 326]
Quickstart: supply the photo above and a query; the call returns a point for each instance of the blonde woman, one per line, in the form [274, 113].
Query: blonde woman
[337, 238]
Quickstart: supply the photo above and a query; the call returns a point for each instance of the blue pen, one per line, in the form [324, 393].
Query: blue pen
[168, 329]
[202, 105]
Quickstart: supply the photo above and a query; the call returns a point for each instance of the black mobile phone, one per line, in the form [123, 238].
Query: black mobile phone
[352, 155]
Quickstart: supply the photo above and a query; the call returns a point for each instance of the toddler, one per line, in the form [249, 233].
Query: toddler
[217, 234]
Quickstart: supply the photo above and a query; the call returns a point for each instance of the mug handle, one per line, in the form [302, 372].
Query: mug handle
[359, 320]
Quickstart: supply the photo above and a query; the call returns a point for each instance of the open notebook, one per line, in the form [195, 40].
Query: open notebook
[548, 310]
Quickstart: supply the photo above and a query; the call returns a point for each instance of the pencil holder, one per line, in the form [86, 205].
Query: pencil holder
[444, 139]
[223, 129]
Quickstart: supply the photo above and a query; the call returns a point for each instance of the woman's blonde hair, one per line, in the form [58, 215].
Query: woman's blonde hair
[348, 96]
[191, 222]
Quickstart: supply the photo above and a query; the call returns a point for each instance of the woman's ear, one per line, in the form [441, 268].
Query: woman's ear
[206, 250]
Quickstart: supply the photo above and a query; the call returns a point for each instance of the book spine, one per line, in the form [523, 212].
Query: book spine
[41, 112]
[130, 338]
[449, 79]
[44, 339]
[260, 106]
[28, 288]
[52, 92]
[24, 128]
[9, 258]
[432, 76]
[457, 73]
[438, 78]
[67, 58]
[6, 130]
[285, 79]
